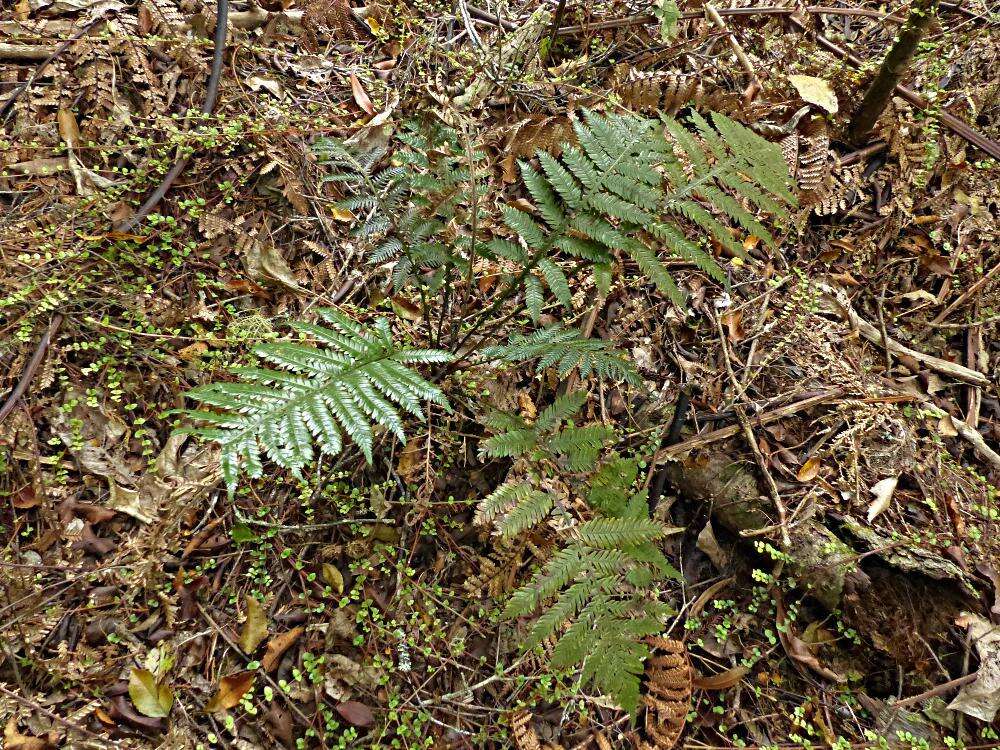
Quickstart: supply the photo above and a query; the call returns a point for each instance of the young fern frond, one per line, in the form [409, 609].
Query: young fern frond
[566, 349]
[317, 396]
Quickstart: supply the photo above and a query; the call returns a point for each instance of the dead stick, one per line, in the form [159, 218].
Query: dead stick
[741, 416]
[29, 372]
[769, 10]
[211, 93]
[952, 369]
[964, 297]
[734, 44]
[707, 438]
[935, 691]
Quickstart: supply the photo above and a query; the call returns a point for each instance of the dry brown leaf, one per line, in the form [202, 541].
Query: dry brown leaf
[796, 648]
[410, 459]
[193, 351]
[356, 714]
[255, 628]
[278, 645]
[26, 498]
[14, 740]
[722, 680]
[809, 470]
[361, 96]
[232, 688]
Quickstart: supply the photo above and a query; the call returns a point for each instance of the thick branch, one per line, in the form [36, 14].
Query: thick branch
[894, 66]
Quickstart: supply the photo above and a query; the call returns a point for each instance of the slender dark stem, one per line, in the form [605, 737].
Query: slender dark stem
[29, 372]
[211, 94]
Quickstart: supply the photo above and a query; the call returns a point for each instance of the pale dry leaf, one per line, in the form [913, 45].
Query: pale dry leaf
[278, 645]
[809, 470]
[981, 699]
[361, 97]
[14, 740]
[815, 91]
[883, 497]
[722, 680]
[334, 578]
[148, 696]
[255, 628]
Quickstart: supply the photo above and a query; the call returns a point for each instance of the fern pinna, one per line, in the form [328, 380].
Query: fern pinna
[319, 394]
[594, 593]
[622, 189]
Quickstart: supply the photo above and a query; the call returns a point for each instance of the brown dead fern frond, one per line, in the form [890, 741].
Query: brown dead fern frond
[668, 92]
[667, 694]
[525, 737]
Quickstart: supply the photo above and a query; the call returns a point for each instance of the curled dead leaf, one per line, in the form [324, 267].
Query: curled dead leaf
[722, 680]
[797, 649]
[278, 645]
[14, 740]
[255, 628]
[883, 496]
[232, 688]
[809, 470]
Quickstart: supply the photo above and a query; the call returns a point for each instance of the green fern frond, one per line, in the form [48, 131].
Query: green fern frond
[561, 409]
[318, 396]
[509, 444]
[580, 445]
[616, 533]
[566, 349]
[528, 512]
[609, 487]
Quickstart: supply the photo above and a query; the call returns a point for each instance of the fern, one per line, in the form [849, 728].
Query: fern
[598, 582]
[566, 349]
[616, 192]
[577, 446]
[403, 210]
[317, 395]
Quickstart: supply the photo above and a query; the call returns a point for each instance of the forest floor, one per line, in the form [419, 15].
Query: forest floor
[827, 492]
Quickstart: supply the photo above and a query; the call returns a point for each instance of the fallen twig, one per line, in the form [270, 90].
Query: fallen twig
[935, 691]
[734, 44]
[967, 294]
[29, 372]
[872, 333]
[707, 438]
